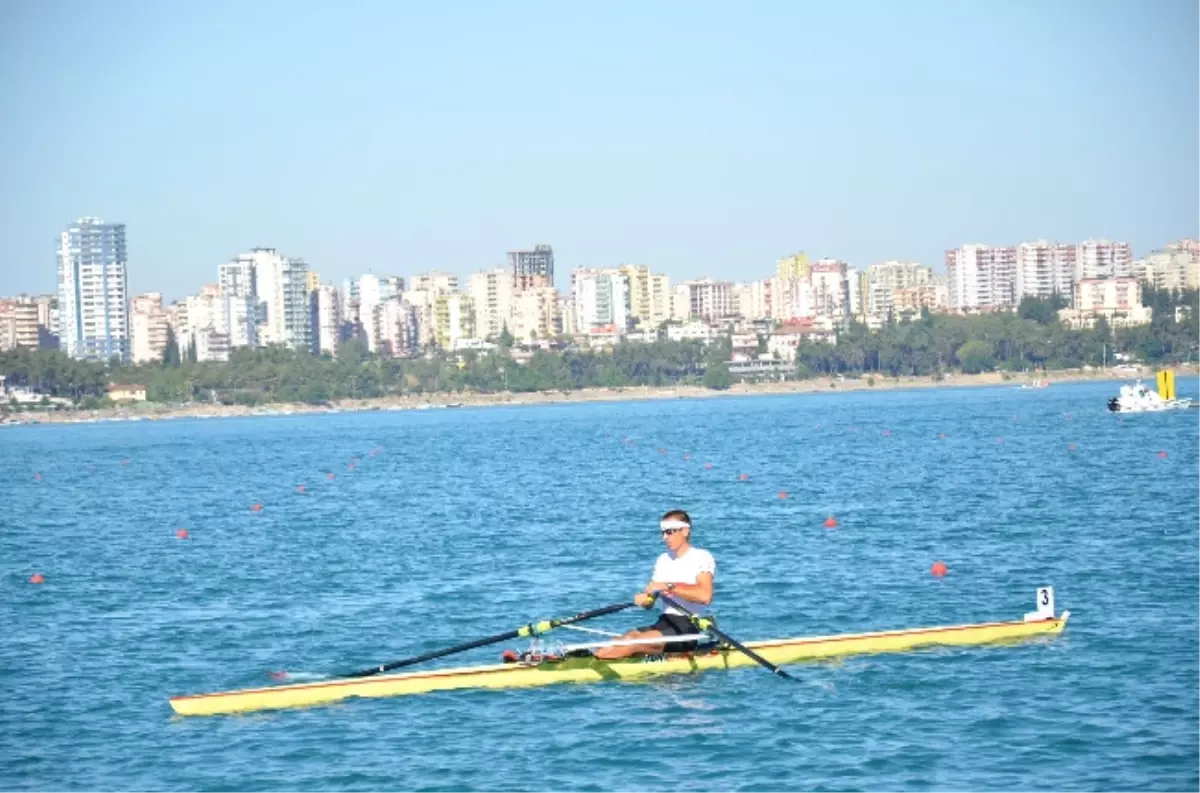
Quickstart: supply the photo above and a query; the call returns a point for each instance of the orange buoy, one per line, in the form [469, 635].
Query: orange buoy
[181, 534]
[939, 569]
[256, 507]
[37, 477]
[744, 477]
[331, 475]
[831, 522]
[783, 494]
[1162, 455]
[37, 578]
[941, 436]
[350, 467]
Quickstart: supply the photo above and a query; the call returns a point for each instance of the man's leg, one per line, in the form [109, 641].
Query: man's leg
[630, 650]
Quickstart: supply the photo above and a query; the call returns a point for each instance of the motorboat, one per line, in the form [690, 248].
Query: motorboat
[1137, 398]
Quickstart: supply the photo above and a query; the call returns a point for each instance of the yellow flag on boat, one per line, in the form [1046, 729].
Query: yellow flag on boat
[1166, 384]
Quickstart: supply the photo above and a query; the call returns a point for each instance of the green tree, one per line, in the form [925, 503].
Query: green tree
[171, 351]
[975, 356]
[717, 377]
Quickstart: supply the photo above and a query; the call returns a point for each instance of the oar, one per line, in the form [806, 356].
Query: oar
[532, 629]
[707, 626]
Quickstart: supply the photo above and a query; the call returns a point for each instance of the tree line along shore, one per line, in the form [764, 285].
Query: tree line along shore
[927, 348]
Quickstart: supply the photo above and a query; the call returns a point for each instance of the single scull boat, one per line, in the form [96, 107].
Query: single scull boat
[574, 664]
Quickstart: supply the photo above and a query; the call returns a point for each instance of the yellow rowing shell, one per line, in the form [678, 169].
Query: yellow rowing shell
[590, 670]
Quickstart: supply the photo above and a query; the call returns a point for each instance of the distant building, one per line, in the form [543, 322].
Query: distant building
[1118, 300]
[705, 298]
[150, 327]
[282, 284]
[981, 277]
[885, 278]
[19, 325]
[93, 298]
[1044, 269]
[127, 393]
[794, 268]
[532, 268]
[1177, 266]
[492, 291]
[1102, 259]
[601, 301]
[830, 288]
[454, 315]
[536, 314]
[326, 305]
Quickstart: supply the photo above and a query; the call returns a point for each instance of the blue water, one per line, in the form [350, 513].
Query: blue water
[470, 522]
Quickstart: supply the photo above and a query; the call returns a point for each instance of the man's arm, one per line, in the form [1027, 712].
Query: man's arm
[699, 592]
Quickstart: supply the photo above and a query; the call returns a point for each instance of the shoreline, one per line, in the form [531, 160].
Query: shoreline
[150, 411]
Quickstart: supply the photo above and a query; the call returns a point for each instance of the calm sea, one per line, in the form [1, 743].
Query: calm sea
[468, 522]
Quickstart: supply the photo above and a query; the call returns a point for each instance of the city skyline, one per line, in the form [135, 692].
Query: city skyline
[705, 143]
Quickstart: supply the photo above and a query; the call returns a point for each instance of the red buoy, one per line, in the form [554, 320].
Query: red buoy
[256, 507]
[831, 522]
[1162, 455]
[707, 466]
[181, 534]
[939, 569]
[744, 477]
[783, 494]
[37, 578]
[37, 477]
[299, 488]
[1070, 447]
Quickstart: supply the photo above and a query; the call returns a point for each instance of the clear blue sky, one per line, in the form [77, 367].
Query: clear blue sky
[695, 137]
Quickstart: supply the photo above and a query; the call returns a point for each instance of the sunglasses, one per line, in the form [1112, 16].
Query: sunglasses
[666, 532]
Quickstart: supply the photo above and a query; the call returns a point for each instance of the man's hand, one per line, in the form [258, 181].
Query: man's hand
[656, 586]
[643, 600]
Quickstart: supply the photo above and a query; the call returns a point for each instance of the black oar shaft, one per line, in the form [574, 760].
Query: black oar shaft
[714, 630]
[532, 629]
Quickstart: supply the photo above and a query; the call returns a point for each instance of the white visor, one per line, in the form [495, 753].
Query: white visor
[674, 523]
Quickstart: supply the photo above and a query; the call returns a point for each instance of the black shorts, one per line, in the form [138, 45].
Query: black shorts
[675, 625]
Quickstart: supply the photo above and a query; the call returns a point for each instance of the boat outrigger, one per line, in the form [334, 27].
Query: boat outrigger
[543, 665]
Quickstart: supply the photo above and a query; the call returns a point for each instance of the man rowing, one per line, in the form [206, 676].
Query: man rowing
[686, 574]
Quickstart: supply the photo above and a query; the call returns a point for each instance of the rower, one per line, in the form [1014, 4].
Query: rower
[686, 573]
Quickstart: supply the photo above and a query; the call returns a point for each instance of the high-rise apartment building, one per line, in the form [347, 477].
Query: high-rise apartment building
[794, 267]
[1045, 268]
[1102, 259]
[282, 285]
[93, 298]
[883, 279]
[830, 288]
[492, 292]
[532, 268]
[602, 301]
[705, 298]
[149, 327]
[981, 277]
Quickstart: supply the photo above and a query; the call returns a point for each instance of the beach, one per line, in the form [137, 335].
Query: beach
[155, 411]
